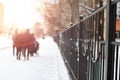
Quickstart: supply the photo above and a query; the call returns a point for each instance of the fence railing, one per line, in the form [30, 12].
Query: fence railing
[89, 47]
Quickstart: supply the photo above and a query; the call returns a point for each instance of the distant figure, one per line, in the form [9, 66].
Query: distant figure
[14, 34]
[33, 48]
[24, 41]
[29, 38]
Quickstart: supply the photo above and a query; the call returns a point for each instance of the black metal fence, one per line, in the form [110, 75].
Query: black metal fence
[89, 47]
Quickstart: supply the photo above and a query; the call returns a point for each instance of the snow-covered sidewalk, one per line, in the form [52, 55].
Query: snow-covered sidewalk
[5, 42]
[49, 65]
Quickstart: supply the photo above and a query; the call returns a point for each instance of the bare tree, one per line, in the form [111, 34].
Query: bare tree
[59, 16]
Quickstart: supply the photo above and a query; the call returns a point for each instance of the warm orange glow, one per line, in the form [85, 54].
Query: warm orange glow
[20, 12]
[118, 25]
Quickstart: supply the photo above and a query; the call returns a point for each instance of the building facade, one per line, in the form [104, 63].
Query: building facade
[1, 17]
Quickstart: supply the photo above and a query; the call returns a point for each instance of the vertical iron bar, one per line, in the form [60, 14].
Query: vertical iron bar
[110, 36]
[82, 59]
[116, 62]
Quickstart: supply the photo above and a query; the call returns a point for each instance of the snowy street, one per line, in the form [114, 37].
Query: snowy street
[49, 65]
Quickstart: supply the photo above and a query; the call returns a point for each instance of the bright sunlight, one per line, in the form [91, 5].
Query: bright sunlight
[20, 12]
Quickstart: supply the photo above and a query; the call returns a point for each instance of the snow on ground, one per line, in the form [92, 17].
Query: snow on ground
[49, 65]
[5, 42]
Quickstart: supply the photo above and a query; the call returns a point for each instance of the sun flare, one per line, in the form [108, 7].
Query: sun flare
[20, 12]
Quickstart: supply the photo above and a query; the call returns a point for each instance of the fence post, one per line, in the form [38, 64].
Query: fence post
[82, 59]
[110, 36]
